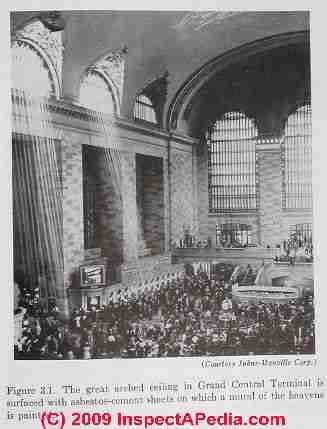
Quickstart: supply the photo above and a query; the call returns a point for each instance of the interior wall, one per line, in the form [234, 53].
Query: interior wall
[267, 87]
[150, 202]
[108, 205]
[270, 222]
[73, 231]
[183, 193]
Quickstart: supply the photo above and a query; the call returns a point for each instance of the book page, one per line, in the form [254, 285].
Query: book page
[163, 215]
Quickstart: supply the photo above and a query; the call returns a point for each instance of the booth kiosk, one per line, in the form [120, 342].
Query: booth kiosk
[91, 291]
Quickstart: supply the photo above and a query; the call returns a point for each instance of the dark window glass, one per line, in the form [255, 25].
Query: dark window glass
[297, 160]
[231, 163]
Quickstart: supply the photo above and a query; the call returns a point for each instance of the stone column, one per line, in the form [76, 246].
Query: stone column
[269, 192]
[182, 198]
[73, 219]
[130, 227]
[203, 194]
[195, 191]
[166, 205]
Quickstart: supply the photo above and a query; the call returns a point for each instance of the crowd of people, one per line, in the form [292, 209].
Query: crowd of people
[246, 276]
[189, 316]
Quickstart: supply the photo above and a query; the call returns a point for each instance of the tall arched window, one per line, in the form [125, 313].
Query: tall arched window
[96, 94]
[30, 71]
[297, 169]
[231, 163]
[144, 110]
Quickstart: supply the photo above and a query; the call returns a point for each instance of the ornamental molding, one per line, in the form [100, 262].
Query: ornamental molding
[44, 116]
[270, 139]
[48, 41]
[55, 106]
[113, 67]
[48, 114]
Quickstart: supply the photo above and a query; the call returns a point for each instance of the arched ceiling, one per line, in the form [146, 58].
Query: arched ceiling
[264, 86]
[180, 42]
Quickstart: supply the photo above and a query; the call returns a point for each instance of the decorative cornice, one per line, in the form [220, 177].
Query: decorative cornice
[45, 113]
[270, 139]
[44, 109]
[183, 138]
[48, 116]
[78, 112]
[269, 143]
[142, 128]
[52, 105]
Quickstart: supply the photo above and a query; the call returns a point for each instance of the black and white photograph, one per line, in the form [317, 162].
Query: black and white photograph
[162, 200]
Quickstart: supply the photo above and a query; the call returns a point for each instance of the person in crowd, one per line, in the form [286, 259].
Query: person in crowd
[189, 316]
